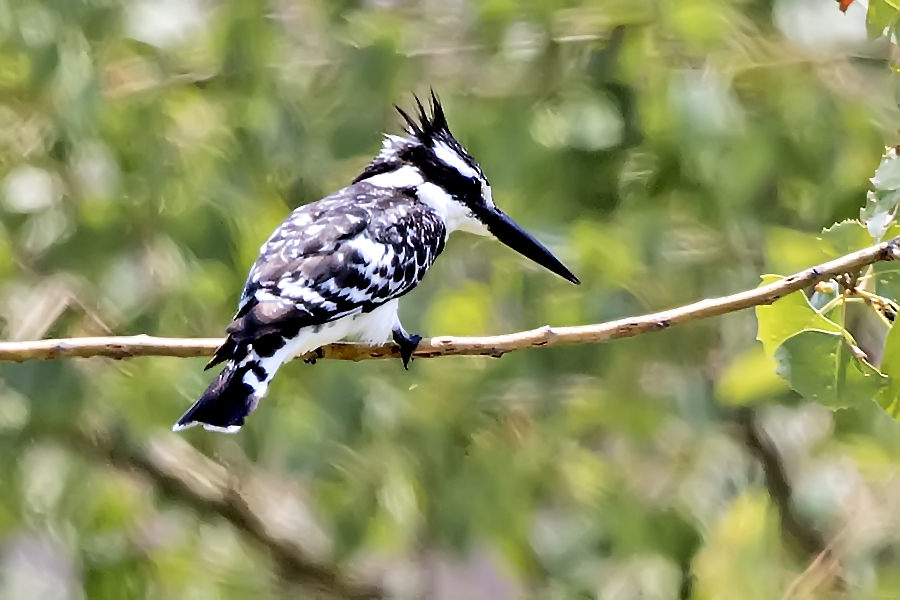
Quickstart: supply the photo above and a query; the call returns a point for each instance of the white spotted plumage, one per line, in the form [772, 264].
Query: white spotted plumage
[336, 268]
[404, 177]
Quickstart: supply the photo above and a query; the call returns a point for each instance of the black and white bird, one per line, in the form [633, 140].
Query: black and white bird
[335, 269]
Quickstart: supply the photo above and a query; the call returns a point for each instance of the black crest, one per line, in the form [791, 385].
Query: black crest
[427, 129]
[425, 134]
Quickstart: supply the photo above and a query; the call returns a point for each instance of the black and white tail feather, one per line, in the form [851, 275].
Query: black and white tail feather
[336, 268]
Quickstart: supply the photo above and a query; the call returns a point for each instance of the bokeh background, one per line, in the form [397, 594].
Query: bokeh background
[667, 150]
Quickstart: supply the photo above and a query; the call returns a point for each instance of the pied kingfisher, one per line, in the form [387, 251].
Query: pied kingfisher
[335, 269]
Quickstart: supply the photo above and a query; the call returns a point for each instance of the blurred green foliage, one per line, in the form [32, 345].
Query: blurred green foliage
[667, 150]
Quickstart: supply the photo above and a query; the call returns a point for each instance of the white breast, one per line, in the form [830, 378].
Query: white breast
[374, 327]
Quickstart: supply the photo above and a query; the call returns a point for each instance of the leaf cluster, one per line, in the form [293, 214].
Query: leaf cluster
[814, 339]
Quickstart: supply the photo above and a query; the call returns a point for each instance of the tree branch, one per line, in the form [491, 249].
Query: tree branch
[187, 476]
[797, 531]
[496, 346]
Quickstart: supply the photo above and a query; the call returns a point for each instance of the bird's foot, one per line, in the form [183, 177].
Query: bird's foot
[315, 355]
[408, 344]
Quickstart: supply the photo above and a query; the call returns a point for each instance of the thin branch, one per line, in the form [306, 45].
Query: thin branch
[825, 568]
[808, 540]
[187, 476]
[496, 346]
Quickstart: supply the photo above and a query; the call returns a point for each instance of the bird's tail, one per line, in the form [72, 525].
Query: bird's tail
[234, 394]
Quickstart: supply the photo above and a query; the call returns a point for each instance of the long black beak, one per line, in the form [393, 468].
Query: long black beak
[508, 232]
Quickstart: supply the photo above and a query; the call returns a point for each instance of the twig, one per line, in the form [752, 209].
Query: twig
[185, 475]
[806, 538]
[142, 345]
[825, 565]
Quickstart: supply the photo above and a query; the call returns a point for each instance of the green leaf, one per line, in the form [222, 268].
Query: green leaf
[820, 366]
[885, 276]
[787, 317]
[879, 17]
[845, 237]
[881, 203]
[887, 176]
[879, 212]
[889, 396]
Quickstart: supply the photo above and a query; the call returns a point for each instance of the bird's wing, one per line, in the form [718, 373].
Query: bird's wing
[343, 255]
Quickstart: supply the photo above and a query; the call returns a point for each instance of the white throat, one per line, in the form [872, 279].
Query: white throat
[455, 214]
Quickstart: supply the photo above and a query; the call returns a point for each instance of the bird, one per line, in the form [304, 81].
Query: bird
[336, 268]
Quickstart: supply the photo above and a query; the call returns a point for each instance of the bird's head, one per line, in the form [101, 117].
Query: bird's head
[431, 163]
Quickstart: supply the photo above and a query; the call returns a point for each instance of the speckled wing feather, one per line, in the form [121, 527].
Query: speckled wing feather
[345, 254]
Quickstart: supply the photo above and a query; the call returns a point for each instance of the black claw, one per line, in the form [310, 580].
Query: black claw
[408, 344]
[317, 354]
